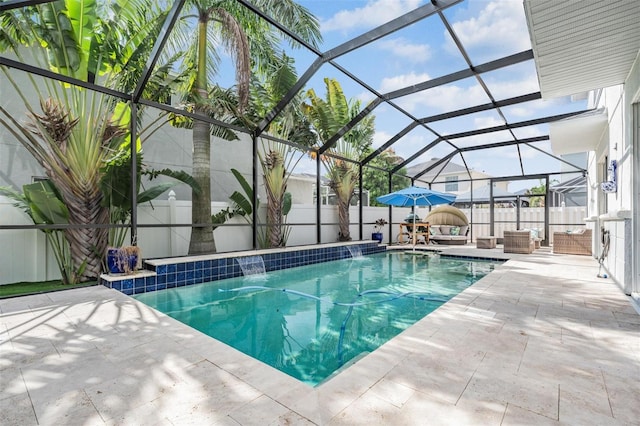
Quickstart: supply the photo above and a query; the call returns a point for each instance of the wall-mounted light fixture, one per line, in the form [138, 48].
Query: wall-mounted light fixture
[611, 185]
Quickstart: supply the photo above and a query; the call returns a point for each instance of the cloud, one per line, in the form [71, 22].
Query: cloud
[485, 122]
[380, 137]
[389, 84]
[500, 26]
[437, 99]
[455, 96]
[403, 48]
[374, 13]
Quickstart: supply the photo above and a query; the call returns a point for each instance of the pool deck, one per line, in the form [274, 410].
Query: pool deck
[540, 341]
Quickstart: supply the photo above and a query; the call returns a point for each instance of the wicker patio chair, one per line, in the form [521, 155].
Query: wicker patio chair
[573, 243]
[518, 242]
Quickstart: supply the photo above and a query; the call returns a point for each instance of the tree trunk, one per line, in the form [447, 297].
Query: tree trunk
[87, 245]
[343, 220]
[202, 241]
[274, 219]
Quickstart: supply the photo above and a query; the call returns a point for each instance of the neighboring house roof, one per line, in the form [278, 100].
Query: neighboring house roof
[307, 177]
[481, 194]
[450, 168]
[577, 184]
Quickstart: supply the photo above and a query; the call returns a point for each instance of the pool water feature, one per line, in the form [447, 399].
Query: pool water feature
[311, 321]
[355, 251]
[251, 265]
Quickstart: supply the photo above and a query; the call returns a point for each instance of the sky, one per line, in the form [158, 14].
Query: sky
[488, 30]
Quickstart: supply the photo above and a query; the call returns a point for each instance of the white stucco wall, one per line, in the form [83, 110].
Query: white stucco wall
[613, 212]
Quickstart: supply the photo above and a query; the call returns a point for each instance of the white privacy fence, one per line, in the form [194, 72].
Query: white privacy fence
[561, 219]
[27, 257]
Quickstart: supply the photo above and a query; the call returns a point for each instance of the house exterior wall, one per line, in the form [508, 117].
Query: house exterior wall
[617, 213]
[464, 184]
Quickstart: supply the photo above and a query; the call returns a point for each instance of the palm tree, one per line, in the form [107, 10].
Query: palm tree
[78, 129]
[278, 160]
[252, 42]
[328, 116]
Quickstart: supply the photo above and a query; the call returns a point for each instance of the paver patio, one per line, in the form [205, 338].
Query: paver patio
[541, 340]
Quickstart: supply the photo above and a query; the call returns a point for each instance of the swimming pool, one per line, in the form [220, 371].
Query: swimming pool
[311, 321]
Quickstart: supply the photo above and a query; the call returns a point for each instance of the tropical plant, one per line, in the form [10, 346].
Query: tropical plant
[80, 129]
[244, 206]
[42, 203]
[328, 116]
[380, 223]
[253, 43]
[278, 160]
[537, 194]
[376, 180]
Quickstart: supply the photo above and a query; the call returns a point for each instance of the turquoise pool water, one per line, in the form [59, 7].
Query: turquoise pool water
[310, 321]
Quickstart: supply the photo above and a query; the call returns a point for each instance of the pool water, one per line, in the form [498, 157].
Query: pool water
[312, 320]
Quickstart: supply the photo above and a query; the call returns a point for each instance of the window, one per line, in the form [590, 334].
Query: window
[451, 184]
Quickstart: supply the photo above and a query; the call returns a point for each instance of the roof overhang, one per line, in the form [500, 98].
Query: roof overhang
[581, 133]
[582, 45]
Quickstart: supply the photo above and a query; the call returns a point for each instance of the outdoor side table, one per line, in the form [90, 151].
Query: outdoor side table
[486, 242]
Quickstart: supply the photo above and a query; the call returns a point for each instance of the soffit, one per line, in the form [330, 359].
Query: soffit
[582, 45]
[581, 133]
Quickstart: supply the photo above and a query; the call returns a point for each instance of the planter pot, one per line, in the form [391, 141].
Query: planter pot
[116, 261]
[377, 236]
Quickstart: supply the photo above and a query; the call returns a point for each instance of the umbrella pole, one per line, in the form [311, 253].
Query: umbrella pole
[414, 224]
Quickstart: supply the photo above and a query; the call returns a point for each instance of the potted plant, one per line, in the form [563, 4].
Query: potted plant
[377, 235]
[123, 260]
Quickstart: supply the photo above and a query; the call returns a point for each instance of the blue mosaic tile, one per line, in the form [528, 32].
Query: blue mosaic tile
[127, 284]
[150, 284]
[188, 273]
[138, 283]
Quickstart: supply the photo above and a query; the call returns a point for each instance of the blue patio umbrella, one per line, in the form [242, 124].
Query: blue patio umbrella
[416, 196]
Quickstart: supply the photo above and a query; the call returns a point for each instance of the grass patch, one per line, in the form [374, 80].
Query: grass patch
[25, 288]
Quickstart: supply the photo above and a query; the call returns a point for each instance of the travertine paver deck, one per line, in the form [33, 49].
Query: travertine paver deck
[539, 341]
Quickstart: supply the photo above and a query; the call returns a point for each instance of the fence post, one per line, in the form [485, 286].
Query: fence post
[173, 249]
